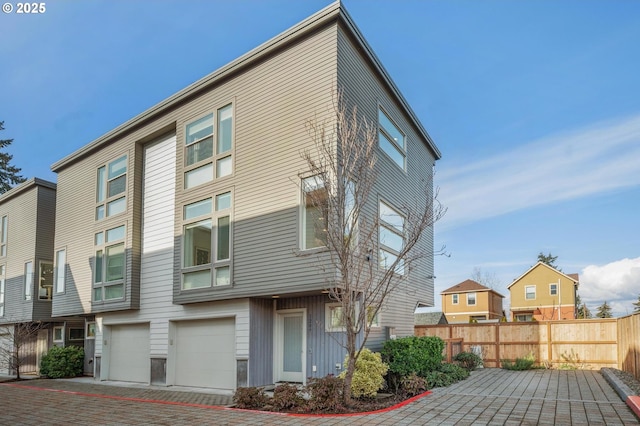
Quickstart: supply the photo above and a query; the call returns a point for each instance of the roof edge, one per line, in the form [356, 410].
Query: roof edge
[26, 185]
[550, 267]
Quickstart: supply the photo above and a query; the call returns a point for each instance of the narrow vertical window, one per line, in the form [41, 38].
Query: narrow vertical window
[391, 237]
[314, 214]
[471, 299]
[454, 299]
[109, 265]
[391, 139]
[553, 289]
[28, 280]
[45, 281]
[2, 286]
[61, 260]
[3, 236]
[111, 188]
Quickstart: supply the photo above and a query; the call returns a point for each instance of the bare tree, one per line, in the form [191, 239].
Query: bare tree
[340, 184]
[16, 336]
[488, 279]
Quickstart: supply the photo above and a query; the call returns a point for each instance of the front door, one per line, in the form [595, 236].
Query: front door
[291, 345]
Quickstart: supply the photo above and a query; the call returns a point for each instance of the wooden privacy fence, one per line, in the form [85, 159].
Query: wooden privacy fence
[629, 344]
[588, 344]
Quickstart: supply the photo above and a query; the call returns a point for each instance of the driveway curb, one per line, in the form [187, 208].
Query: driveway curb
[624, 391]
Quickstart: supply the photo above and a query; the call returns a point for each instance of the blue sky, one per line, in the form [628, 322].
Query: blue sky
[534, 104]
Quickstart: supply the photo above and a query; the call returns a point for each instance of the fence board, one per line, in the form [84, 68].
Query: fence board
[629, 344]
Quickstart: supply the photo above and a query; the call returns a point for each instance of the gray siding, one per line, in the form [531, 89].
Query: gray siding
[261, 312]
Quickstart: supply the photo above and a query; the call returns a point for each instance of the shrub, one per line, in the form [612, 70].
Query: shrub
[368, 376]
[438, 379]
[525, 363]
[413, 385]
[468, 360]
[62, 362]
[407, 355]
[455, 372]
[325, 393]
[250, 398]
[286, 397]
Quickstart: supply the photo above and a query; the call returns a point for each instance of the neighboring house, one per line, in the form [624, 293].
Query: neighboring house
[543, 293]
[27, 216]
[430, 318]
[186, 230]
[469, 301]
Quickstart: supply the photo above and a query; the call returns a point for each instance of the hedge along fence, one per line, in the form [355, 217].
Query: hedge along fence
[591, 344]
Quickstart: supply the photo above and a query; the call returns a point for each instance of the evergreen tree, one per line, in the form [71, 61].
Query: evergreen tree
[604, 311]
[637, 305]
[583, 311]
[549, 259]
[9, 174]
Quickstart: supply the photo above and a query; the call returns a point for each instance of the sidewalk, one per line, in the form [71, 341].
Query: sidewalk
[488, 397]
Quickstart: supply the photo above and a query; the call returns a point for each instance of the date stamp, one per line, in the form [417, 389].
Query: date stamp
[24, 8]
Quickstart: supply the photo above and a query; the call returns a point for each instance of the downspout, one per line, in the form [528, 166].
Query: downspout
[559, 301]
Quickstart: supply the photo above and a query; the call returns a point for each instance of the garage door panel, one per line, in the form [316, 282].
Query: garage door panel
[205, 353]
[129, 353]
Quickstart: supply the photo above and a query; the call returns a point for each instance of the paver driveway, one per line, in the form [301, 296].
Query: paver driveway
[489, 396]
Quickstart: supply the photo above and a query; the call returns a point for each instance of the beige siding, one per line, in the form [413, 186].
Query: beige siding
[366, 89]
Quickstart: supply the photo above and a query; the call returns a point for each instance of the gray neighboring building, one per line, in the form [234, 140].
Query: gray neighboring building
[430, 318]
[184, 229]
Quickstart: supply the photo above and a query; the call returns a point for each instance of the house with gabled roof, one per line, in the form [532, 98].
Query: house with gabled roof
[470, 301]
[543, 293]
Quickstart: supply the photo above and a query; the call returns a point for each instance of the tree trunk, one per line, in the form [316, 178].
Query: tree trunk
[348, 378]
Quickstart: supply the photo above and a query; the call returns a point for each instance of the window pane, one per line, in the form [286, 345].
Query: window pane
[199, 151]
[391, 150]
[57, 333]
[114, 292]
[198, 176]
[223, 239]
[117, 167]
[115, 234]
[336, 317]
[199, 129]
[28, 280]
[199, 208]
[97, 294]
[100, 186]
[46, 281]
[117, 185]
[100, 212]
[223, 201]
[114, 261]
[3, 230]
[99, 239]
[61, 260]
[197, 279]
[97, 276]
[225, 125]
[391, 217]
[116, 206]
[387, 259]
[391, 129]
[224, 167]
[391, 239]
[314, 220]
[3, 250]
[223, 276]
[197, 244]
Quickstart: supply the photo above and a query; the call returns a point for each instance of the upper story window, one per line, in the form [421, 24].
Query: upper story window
[2, 287]
[553, 289]
[28, 280]
[206, 247]
[208, 147]
[471, 299]
[314, 211]
[530, 292]
[109, 265]
[391, 139]
[454, 299]
[60, 270]
[3, 235]
[111, 188]
[45, 280]
[391, 237]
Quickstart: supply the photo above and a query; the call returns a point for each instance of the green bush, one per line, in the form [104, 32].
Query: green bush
[62, 362]
[250, 398]
[456, 372]
[468, 360]
[368, 377]
[408, 355]
[325, 394]
[520, 364]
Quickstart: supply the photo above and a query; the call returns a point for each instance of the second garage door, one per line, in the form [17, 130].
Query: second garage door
[205, 353]
[129, 353]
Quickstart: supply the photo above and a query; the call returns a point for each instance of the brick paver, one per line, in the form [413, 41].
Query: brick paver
[488, 397]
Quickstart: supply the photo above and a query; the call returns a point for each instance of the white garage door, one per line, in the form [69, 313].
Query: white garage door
[129, 353]
[205, 353]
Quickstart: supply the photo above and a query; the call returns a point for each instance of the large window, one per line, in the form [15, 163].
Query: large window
[391, 237]
[45, 280]
[314, 214]
[391, 139]
[530, 292]
[2, 287]
[208, 147]
[206, 251]
[3, 235]
[109, 265]
[111, 188]
[28, 280]
[61, 261]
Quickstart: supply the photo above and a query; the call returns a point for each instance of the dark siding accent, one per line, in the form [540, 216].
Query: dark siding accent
[260, 369]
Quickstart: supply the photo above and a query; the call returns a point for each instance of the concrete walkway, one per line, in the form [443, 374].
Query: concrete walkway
[488, 397]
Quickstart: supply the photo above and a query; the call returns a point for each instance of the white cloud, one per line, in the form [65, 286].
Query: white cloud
[617, 283]
[586, 161]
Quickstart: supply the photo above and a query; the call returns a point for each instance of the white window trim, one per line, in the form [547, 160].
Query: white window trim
[389, 227]
[87, 336]
[526, 292]
[3, 288]
[401, 149]
[455, 299]
[40, 286]
[60, 287]
[328, 307]
[107, 200]
[551, 285]
[27, 287]
[103, 283]
[475, 299]
[58, 327]
[4, 230]
[303, 212]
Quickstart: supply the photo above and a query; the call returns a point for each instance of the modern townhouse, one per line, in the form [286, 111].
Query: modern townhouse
[187, 234]
[27, 216]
